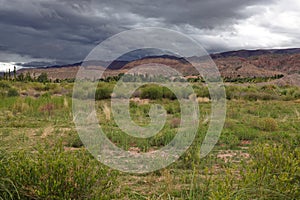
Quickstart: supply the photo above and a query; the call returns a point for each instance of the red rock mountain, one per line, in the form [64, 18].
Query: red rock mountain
[243, 63]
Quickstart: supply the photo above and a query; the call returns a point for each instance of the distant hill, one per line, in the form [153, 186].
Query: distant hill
[232, 64]
[258, 52]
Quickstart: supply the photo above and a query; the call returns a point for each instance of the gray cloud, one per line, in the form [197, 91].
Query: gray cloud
[65, 31]
[198, 13]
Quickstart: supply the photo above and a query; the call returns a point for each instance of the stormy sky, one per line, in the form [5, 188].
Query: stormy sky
[65, 31]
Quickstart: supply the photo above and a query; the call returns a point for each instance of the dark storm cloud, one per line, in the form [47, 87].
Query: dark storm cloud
[67, 30]
[59, 31]
[200, 13]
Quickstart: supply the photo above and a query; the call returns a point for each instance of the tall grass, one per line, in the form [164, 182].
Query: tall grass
[262, 122]
[53, 173]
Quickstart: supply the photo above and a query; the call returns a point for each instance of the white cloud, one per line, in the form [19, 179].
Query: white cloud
[17, 58]
[5, 67]
[269, 26]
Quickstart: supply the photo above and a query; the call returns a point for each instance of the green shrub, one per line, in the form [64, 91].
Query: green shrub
[253, 96]
[46, 95]
[50, 86]
[43, 78]
[246, 133]
[7, 187]
[38, 86]
[229, 139]
[103, 93]
[4, 85]
[201, 91]
[57, 174]
[12, 92]
[267, 124]
[152, 92]
[75, 141]
[273, 172]
[168, 94]
[275, 169]
[172, 108]
[232, 92]
[296, 95]
[80, 93]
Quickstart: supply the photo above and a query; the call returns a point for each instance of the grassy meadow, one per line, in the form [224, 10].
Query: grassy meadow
[256, 157]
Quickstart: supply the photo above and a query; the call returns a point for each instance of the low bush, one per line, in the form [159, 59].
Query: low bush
[12, 92]
[80, 93]
[74, 141]
[272, 173]
[4, 85]
[267, 124]
[7, 187]
[229, 139]
[172, 108]
[201, 91]
[152, 92]
[43, 78]
[253, 96]
[168, 94]
[58, 174]
[20, 107]
[103, 93]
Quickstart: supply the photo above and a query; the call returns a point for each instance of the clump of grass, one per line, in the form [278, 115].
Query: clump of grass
[20, 106]
[9, 115]
[52, 173]
[107, 112]
[12, 92]
[74, 141]
[268, 124]
[8, 189]
[229, 139]
[4, 84]
[103, 92]
[66, 103]
[152, 92]
[272, 173]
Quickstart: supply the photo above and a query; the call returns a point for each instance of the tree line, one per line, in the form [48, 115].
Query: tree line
[13, 76]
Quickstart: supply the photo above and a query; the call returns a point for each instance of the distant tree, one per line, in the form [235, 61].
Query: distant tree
[43, 78]
[21, 77]
[15, 73]
[34, 77]
[120, 75]
[28, 77]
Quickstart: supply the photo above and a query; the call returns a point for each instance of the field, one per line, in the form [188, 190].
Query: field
[42, 157]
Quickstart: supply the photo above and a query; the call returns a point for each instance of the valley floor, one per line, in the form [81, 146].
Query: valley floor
[256, 157]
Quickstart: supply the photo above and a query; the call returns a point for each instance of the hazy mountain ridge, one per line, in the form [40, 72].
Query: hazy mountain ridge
[233, 64]
[258, 52]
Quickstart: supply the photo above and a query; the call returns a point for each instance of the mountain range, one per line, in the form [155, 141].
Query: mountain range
[231, 64]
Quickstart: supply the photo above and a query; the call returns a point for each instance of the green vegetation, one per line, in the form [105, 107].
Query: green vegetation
[53, 173]
[43, 78]
[103, 92]
[253, 79]
[42, 157]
